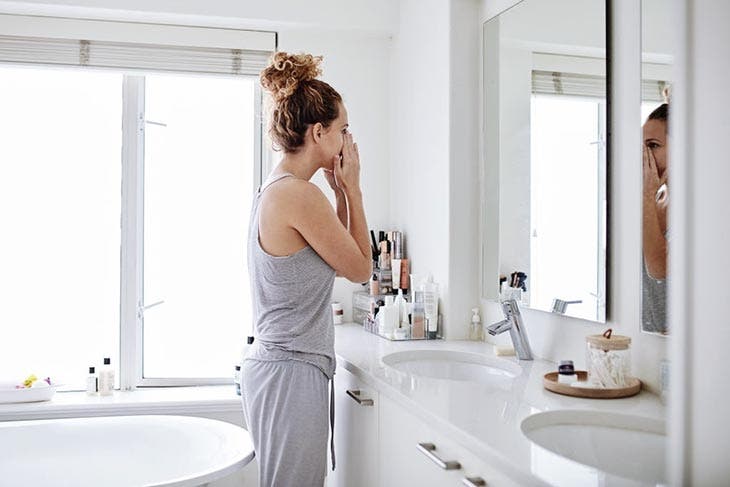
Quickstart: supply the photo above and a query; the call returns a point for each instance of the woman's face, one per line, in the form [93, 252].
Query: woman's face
[655, 139]
[333, 137]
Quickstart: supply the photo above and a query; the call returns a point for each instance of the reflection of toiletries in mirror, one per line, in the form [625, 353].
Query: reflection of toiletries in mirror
[431, 305]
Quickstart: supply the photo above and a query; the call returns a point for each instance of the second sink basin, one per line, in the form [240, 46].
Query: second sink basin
[453, 365]
[629, 446]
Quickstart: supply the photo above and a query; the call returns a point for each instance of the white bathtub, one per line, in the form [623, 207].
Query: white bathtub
[120, 451]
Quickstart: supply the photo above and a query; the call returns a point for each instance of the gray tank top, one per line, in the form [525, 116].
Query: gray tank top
[291, 298]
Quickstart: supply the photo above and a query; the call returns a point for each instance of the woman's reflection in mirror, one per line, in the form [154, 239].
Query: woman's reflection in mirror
[654, 215]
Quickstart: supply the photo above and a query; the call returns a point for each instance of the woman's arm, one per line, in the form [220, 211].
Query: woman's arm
[348, 176]
[340, 198]
[345, 249]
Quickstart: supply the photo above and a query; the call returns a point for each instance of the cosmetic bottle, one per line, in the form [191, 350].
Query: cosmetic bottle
[402, 312]
[566, 372]
[106, 378]
[431, 306]
[385, 281]
[404, 284]
[395, 262]
[418, 317]
[374, 285]
[92, 383]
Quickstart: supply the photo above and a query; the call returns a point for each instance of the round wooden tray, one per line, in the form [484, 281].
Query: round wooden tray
[550, 382]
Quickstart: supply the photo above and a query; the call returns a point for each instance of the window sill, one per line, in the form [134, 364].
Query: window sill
[151, 400]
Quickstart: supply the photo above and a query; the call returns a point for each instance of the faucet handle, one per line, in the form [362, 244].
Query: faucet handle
[510, 308]
[499, 327]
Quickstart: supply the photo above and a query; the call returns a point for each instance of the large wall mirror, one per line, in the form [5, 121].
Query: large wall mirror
[656, 73]
[545, 156]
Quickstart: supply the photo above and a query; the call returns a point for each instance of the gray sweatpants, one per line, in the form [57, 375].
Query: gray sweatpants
[286, 409]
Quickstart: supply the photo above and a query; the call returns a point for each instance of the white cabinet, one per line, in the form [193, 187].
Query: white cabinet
[377, 444]
[356, 433]
[403, 463]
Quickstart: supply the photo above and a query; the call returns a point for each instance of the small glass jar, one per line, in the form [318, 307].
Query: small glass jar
[608, 358]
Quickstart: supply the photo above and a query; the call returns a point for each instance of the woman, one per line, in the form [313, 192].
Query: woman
[654, 225]
[297, 244]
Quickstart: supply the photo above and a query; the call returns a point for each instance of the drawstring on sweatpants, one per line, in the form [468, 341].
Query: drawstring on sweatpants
[332, 421]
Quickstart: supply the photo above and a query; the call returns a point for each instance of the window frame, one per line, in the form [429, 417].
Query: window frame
[132, 305]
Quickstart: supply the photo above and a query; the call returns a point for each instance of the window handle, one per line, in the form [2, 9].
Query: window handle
[142, 308]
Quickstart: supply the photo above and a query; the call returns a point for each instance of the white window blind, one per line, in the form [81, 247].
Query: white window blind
[653, 90]
[133, 46]
[573, 84]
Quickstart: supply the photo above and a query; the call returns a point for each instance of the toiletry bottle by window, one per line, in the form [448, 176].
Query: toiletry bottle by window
[92, 383]
[106, 378]
[476, 332]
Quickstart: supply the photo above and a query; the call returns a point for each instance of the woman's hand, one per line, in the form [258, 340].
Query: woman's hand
[652, 182]
[347, 168]
[332, 181]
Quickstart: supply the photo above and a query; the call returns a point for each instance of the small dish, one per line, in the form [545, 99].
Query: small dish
[28, 394]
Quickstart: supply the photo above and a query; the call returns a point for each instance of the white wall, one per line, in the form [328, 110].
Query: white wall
[420, 130]
[464, 167]
[435, 170]
[700, 390]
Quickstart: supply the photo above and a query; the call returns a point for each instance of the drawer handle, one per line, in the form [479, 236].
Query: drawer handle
[355, 394]
[428, 450]
[474, 481]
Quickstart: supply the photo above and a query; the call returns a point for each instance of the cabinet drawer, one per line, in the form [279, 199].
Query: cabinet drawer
[434, 463]
[356, 433]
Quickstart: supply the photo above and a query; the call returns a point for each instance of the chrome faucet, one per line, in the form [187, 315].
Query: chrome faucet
[513, 323]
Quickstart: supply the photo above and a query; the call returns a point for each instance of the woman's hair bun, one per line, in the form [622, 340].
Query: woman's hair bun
[286, 71]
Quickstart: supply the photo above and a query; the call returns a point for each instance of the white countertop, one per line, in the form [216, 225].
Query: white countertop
[485, 419]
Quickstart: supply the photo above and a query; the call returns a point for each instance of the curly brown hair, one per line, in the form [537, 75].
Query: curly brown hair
[298, 98]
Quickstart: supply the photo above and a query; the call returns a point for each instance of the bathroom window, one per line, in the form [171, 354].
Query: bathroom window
[124, 204]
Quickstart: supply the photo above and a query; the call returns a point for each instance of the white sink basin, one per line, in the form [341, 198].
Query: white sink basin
[628, 446]
[452, 365]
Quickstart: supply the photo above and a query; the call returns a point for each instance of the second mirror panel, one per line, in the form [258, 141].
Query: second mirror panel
[655, 109]
[545, 156]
